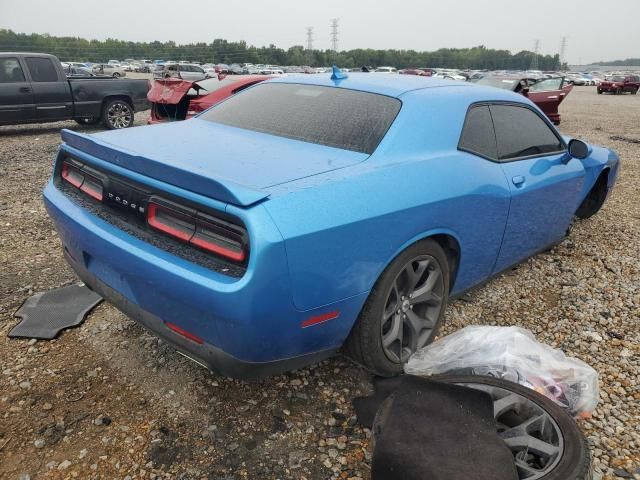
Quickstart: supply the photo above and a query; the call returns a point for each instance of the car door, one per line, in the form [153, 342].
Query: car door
[16, 98]
[547, 94]
[545, 187]
[51, 92]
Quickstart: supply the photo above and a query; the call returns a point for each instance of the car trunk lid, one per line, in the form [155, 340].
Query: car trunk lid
[226, 163]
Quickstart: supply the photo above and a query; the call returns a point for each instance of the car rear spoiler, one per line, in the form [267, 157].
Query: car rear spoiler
[219, 189]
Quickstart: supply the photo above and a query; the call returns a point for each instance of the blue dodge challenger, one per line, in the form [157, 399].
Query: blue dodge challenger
[309, 213]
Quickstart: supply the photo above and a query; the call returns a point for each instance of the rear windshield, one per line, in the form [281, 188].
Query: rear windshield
[336, 117]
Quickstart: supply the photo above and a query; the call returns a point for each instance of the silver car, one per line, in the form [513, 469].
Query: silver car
[186, 71]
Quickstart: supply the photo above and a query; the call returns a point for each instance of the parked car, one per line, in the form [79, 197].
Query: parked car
[172, 99]
[268, 231]
[413, 71]
[577, 79]
[619, 84]
[184, 71]
[546, 93]
[385, 70]
[112, 70]
[34, 89]
[78, 72]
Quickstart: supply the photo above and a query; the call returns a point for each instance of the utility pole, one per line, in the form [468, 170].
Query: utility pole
[563, 51]
[309, 38]
[534, 59]
[334, 35]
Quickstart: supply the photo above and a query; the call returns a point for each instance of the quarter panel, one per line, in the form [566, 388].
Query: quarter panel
[340, 235]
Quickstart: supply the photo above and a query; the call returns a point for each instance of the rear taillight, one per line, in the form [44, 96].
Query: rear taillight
[208, 233]
[82, 180]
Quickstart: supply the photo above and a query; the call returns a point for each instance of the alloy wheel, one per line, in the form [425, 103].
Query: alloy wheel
[529, 431]
[120, 115]
[412, 308]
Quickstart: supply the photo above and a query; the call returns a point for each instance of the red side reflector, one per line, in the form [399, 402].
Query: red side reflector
[325, 317]
[184, 333]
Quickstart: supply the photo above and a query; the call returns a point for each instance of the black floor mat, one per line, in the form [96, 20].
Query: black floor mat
[428, 430]
[45, 314]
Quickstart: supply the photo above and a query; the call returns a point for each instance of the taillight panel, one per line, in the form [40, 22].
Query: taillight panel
[215, 233]
[204, 231]
[83, 179]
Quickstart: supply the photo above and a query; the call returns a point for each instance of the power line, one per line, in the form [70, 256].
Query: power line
[534, 59]
[334, 35]
[309, 38]
[563, 51]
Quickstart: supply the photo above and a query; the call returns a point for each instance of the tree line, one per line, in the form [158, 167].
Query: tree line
[223, 51]
[628, 62]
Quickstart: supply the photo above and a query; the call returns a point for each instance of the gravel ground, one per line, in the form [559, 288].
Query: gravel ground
[108, 400]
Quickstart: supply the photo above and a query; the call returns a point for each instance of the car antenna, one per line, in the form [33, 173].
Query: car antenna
[338, 74]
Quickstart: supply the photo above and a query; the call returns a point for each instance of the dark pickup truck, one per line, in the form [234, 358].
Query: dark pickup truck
[34, 89]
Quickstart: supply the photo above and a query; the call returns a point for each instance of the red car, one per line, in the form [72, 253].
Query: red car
[546, 93]
[620, 83]
[174, 99]
[414, 71]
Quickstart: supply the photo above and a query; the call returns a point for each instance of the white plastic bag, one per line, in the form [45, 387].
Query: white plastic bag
[514, 354]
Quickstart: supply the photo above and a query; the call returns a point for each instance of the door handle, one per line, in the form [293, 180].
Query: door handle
[25, 89]
[518, 180]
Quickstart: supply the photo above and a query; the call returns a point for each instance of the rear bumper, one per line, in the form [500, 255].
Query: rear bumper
[249, 326]
[205, 354]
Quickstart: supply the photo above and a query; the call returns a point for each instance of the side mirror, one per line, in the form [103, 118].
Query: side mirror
[579, 149]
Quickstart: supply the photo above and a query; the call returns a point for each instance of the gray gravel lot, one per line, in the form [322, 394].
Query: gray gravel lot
[108, 400]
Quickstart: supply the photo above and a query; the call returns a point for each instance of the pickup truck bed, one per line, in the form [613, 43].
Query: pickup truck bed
[34, 89]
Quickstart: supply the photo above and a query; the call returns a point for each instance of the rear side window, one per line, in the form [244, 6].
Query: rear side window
[521, 133]
[335, 117]
[477, 135]
[42, 69]
[10, 70]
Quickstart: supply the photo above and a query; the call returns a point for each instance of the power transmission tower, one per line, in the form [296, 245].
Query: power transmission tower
[309, 38]
[334, 35]
[563, 51]
[534, 59]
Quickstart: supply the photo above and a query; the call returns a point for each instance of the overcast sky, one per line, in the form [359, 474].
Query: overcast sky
[594, 31]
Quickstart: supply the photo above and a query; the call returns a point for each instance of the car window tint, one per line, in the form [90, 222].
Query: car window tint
[42, 69]
[478, 135]
[521, 133]
[548, 84]
[10, 70]
[336, 117]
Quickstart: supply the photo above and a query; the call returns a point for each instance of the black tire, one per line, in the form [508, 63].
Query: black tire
[116, 75]
[594, 200]
[87, 121]
[117, 114]
[599, 92]
[365, 342]
[574, 459]
[634, 91]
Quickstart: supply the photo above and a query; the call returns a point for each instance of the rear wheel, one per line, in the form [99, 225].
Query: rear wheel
[546, 442]
[404, 310]
[116, 75]
[634, 91]
[117, 114]
[599, 91]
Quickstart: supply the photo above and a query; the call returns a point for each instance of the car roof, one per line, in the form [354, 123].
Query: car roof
[390, 85]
